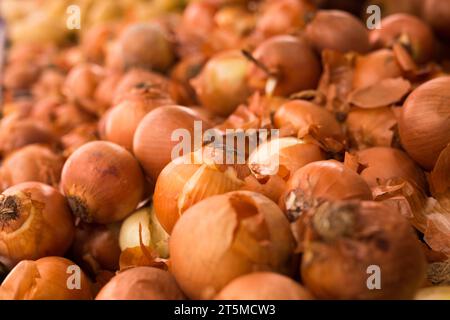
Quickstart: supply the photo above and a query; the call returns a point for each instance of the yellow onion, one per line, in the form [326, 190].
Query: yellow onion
[424, 122]
[105, 91]
[77, 137]
[437, 14]
[50, 83]
[374, 67]
[270, 186]
[123, 119]
[368, 128]
[339, 31]
[263, 286]
[95, 40]
[35, 222]
[153, 148]
[96, 247]
[433, 293]
[283, 156]
[183, 183]
[46, 279]
[103, 182]
[407, 30]
[440, 178]
[81, 84]
[146, 45]
[350, 242]
[20, 76]
[144, 225]
[381, 164]
[31, 163]
[319, 181]
[227, 236]
[302, 115]
[141, 283]
[279, 58]
[221, 86]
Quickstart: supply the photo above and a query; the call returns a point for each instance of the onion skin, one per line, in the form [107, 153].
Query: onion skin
[285, 55]
[102, 182]
[31, 163]
[420, 36]
[322, 180]
[141, 283]
[382, 164]
[221, 86]
[424, 123]
[152, 147]
[233, 234]
[337, 30]
[346, 238]
[35, 222]
[264, 286]
[44, 279]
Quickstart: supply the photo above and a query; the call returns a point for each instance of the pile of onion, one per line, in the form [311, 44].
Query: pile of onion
[227, 236]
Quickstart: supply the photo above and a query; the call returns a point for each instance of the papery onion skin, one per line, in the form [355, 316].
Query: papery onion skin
[102, 182]
[45, 279]
[141, 283]
[153, 147]
[263, 286]
[221, 86]
[226, 236]
[31, 163]
[347, 239]
[382, 164]
[285, 55]
[420, 37]
[424, 123]
[322, 180]
[35, 222]
[337, 30]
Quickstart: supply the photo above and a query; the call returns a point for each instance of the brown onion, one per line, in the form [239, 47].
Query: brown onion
[105, 91]
[424, 123]
[281, 58]
[339, 31]
[141, 283]
[123, 119]
[437, 14]
[50, 83]
[102, 182]
[264, 286]
[381, 164]
[153, 148]
[31, 163]
[46, 279]
[349, 241]
[221, 86]
[407, 30]
[95, 40]
[227, 236]
[77, 137]
[20, 76]
[146, 45]
[35, 222]
[322, 180]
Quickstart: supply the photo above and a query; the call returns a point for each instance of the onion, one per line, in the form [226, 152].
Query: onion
[227, 236]
[437, 14]
[20, 76]
[440, 178]
[221, 86]
[337, 30]
[374, 67]
[280, 58]
[318, 181]
[146, 45]
[153, 148]
[50, 83]
[368, 128]
[95, 40]
[408, 30]
[123, 119]
[45, 279]
[424, 123]
[348, 239]
[264, 286]
[102, 182]
[141, 283]
[31, 163]
[77, 137]
[382, 164]
[35, 222]
[104, 93]
[96, 247]
[144, 225]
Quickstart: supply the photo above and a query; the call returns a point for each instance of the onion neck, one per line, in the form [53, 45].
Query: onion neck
[333, 221]
[79, 208]
[9, 210]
